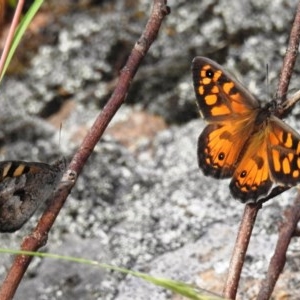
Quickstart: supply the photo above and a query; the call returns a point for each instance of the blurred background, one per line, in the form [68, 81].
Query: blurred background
[141, 201]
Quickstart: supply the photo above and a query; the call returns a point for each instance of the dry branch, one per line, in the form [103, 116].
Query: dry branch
[39, 236]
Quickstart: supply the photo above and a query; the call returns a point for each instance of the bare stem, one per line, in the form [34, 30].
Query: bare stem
[240, 250]
[290, 57]
[286, 232]
[39, 236]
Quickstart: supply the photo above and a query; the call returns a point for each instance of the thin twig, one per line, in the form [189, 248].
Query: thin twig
[287, 229]
[290, 58]
[11, 33]
[250, 212]
[240, 249]
[38, 237]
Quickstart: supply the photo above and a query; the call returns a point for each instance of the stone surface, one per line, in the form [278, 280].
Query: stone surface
[142, 203]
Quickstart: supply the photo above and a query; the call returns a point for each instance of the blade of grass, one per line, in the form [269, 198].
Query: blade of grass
[14, 24]
[178, 287]
[20, 32]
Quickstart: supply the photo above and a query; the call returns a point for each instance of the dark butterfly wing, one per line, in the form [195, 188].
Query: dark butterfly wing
[23, 187]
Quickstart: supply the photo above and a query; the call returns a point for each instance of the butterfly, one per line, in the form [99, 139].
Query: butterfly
[23, 187]
[243, 140]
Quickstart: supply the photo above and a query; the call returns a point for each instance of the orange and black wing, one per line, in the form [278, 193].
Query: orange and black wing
[230, 111]
[251, 179]
[272, 158]
[283, 153]
[219, 96]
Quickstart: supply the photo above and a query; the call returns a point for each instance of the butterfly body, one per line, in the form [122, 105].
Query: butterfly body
[23, 187]
[242, 141]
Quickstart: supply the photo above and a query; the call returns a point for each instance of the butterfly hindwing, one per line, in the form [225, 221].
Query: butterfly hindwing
[251, 178]
[283, 153]
[219, 149]
[272, 157]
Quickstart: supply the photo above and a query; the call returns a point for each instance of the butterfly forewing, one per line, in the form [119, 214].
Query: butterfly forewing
[219, 96]
[229, 109]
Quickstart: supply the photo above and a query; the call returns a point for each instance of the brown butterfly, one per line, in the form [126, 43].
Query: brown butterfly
[23, 187]
[243, 141]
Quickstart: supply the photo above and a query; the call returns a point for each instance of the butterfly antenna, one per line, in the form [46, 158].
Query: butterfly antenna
[267, 79]
[59, 136]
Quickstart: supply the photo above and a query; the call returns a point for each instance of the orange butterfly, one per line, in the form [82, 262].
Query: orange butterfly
[243, 140]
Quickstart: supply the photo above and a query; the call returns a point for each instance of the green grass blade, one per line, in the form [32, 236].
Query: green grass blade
[178, 287]
[20, 32]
